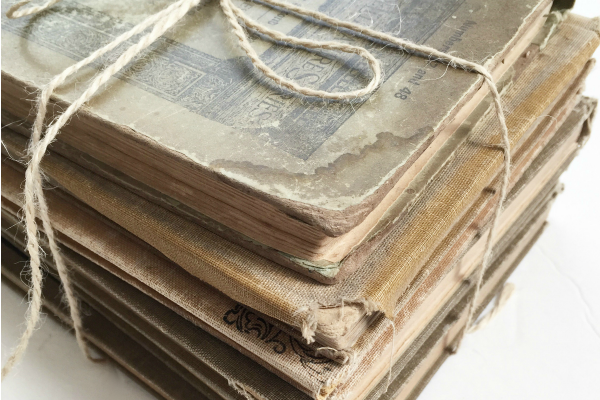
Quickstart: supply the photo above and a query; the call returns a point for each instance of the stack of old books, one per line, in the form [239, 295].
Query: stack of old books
[230, 239]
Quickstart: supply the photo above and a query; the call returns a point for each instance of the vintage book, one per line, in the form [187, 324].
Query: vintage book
[268, 346]
[550, 80]
[193, 354]
[307, 178]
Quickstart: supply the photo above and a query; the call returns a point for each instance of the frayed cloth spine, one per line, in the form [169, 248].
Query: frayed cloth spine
[309, 321]
[310, 315]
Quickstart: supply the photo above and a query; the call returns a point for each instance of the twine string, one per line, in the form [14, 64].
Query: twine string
[35, 204]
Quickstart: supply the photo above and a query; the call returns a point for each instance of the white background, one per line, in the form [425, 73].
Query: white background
[545, 344]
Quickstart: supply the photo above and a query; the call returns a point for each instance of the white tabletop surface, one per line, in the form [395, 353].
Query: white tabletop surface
[545, 344]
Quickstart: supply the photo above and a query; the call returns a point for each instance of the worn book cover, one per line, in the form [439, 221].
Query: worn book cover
[192, 118]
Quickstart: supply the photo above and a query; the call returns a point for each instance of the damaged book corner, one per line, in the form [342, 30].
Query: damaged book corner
[253, 200]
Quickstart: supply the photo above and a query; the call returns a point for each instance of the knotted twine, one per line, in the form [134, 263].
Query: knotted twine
[35, 203]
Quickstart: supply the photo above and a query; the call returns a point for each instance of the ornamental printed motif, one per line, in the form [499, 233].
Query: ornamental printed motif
[249, 322]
